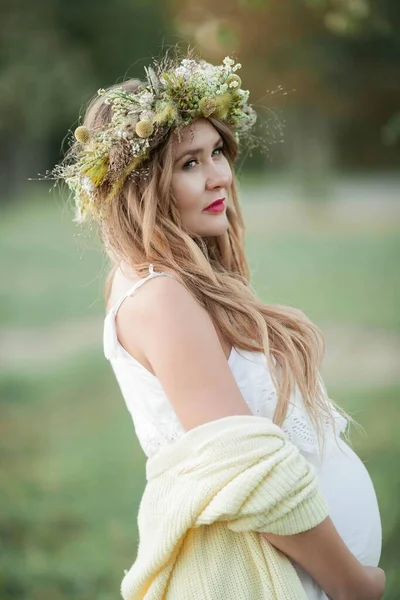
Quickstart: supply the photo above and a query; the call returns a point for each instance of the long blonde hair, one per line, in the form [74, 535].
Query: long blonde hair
[143, 226]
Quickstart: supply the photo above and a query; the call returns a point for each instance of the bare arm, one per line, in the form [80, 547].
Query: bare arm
[323, 554]
[179, 341]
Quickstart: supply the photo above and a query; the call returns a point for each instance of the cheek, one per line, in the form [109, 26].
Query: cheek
[228, 173]
[187, 189]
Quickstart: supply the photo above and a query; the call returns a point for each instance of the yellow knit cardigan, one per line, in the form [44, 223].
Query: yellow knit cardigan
[207, 497]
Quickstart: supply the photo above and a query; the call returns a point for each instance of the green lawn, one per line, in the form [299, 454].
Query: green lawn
[52, 270]
[72, 471]
[75, 473]
[350, 278]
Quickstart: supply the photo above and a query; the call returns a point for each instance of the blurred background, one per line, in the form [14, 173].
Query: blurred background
[322, 209]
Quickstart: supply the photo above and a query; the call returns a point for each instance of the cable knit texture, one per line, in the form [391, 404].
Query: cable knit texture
[207, 497]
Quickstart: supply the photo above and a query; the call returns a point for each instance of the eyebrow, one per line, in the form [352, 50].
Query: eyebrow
[195, 151]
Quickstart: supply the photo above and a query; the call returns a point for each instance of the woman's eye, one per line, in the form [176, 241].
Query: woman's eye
[188, 165]
[219, 150]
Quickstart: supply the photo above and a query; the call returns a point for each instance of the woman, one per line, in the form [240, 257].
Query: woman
[153, 166]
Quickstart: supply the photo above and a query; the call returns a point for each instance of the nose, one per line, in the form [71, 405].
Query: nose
[218, 177]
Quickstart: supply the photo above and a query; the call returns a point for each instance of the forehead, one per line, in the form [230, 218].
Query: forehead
[198, 134]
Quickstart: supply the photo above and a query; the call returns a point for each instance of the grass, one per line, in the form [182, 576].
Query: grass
[72, 470]
[75, 474]
[52, 271]
[349, 279]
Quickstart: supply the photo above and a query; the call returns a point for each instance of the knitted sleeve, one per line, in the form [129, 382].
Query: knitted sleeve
[237, 474]
[246, 473]
[276, 492]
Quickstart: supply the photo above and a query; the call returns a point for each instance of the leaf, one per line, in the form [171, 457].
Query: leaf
[152, 79]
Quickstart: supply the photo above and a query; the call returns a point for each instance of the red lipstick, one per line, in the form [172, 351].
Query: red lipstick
[216, 206]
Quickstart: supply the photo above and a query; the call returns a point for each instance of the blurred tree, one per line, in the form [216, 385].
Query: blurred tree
[352, 17]
[341, 89]
[40, 75]
[54, 56]
[336, 60]
[364, 19]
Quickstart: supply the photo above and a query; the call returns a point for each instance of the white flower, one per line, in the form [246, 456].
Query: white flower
[147, 115]
[233, 84]
[208, 71]
[182, 72]
[228, 62]
[188, 63]
[243, 94]
[187, 68]
[87, 184]
[146, 98]
[236, 67]
[135, 147]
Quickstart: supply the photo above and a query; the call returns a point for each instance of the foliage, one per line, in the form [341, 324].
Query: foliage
[54, 56]
[336, 61]
[177, 91]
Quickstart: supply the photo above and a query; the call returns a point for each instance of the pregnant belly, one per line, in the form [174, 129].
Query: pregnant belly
[347, 487]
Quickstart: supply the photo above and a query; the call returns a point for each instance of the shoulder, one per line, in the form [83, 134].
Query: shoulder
[163, 307]
[158, 299]
[175, 337]
[149, 314]
[161, 319]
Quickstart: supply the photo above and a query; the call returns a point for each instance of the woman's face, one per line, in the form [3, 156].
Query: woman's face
[201, 175]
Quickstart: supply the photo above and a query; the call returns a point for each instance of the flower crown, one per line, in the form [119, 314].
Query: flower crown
[173, 96]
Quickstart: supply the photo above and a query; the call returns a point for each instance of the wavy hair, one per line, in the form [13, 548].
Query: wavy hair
[143, 226]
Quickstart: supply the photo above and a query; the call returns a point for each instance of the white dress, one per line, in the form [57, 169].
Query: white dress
[343, 478]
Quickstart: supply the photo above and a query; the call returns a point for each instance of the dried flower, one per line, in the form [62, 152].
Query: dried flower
[234, 81]
[147, 115]
[207, 106]
[82, 134]
[166, 114]
[97, 170]
[144, 129]
[173, 95]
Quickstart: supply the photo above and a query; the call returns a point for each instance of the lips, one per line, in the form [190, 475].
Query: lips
[215, 204]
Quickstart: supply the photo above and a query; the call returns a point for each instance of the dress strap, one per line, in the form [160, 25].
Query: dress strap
[110, 339]
[152, 273]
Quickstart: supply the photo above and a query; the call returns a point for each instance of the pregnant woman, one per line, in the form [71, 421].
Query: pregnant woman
[251, 492]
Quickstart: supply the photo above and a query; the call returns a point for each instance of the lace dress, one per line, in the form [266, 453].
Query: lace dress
[342, 477]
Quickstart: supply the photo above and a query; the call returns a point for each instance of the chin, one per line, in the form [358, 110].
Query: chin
[218, 227]
[209, 226]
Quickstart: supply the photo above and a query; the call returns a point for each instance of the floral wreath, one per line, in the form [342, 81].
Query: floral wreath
[173, 95]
